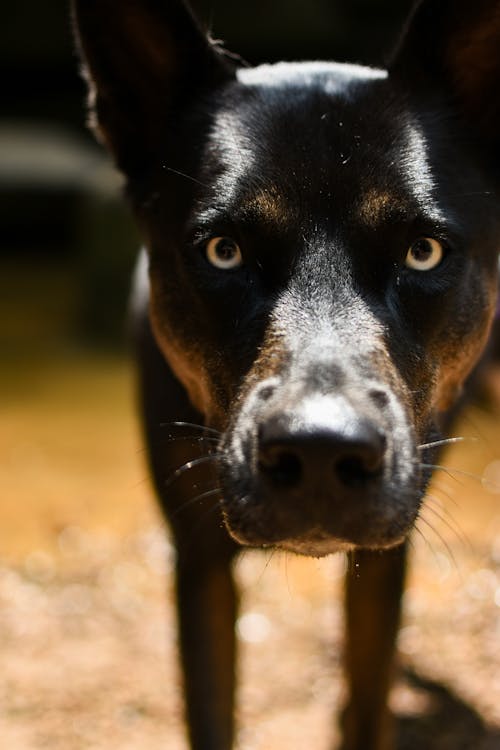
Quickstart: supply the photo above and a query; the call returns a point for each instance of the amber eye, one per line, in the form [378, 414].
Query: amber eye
[424, 255]
[224, 253]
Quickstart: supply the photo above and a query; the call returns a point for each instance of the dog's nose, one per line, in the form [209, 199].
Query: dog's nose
[323, 454]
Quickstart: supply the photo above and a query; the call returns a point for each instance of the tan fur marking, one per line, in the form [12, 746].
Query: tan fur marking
[270, 207]
[187, 367]
[459, 358]
[376, 205]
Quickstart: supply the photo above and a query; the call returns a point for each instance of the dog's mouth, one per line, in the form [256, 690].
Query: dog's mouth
[321, 475]
[314, 544]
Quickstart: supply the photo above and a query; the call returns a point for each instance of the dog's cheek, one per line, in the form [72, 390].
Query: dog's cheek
[176, 337]
[186, 364]
[461, 350]
[457, 362]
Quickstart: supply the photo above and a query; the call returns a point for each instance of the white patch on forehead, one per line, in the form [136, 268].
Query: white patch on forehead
[331, 76]
[418, 172]
[237, 149]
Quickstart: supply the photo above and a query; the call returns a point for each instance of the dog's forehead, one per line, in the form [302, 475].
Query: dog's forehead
[330, 76]
[327, 131]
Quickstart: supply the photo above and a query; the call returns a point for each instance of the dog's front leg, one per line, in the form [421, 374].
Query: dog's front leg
[374, 585]
[205, 591]
[207, 607]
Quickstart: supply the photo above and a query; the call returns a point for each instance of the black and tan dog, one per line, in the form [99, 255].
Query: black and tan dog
[322, 246]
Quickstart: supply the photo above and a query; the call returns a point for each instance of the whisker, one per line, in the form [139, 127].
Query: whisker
[445, 441]
[442, 468]
[450, 471]
[439, 501]
[495, 487]
[270, 556]
[426, 541]
[186, 176]
[447, 520]
[446, 491]
[193, 438]
[193, 500]
[469, 417]
[441, 539]
[201, 427]
[190, 465]
[140, 482]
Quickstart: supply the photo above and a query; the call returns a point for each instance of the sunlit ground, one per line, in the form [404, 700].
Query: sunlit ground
[87, 633]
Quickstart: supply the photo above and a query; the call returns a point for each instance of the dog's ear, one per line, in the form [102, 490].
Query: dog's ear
[454, 45]
[143, 60]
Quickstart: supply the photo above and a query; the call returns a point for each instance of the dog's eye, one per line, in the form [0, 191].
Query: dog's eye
[224, 253]
[425, 254]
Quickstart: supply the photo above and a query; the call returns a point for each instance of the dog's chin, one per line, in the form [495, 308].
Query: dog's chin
[324, 547]
[315, 547]
[310, 546]
[316, 542]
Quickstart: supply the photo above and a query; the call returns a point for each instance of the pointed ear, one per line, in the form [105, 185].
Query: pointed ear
[143, 60]
[454, 45]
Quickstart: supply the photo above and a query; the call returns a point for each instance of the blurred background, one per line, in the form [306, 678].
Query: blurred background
[87, 641]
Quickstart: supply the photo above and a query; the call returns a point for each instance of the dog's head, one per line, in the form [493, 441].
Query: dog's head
[323, 242]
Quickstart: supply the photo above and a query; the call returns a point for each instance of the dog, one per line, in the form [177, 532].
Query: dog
[321, 249]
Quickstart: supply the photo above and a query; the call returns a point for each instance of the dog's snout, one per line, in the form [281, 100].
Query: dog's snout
[293, 452]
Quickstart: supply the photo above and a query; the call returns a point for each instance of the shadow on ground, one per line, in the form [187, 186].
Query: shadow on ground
[447, 724]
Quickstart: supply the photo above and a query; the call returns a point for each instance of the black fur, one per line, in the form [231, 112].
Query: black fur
[325, 361]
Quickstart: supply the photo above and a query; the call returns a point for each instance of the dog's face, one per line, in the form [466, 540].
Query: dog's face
[323, 242]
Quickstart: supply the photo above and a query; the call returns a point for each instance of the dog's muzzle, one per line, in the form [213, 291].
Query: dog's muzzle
[318, 471]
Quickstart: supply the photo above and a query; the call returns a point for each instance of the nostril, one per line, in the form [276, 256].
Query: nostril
[353, 472]
[362, 462]
[282, 466]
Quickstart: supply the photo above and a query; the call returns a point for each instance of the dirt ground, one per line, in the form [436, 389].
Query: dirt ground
[87, 630]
